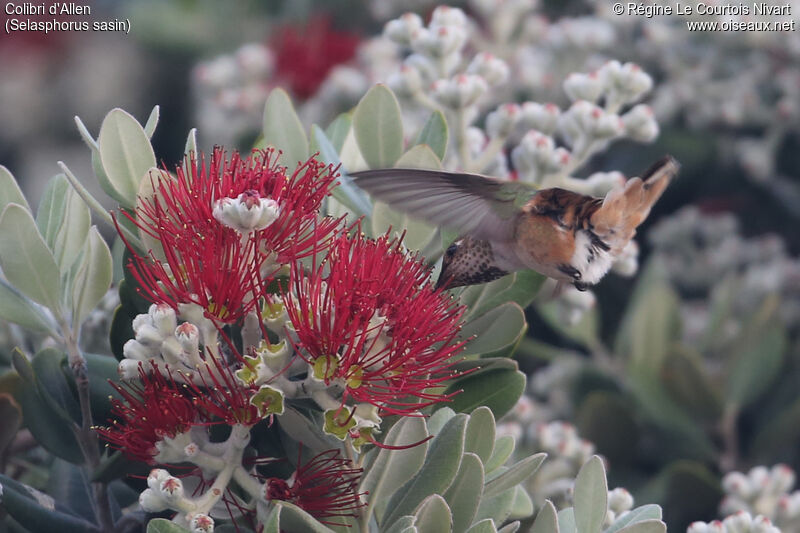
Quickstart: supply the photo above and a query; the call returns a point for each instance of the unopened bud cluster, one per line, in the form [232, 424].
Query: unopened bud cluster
[741, 522]
[765, 492]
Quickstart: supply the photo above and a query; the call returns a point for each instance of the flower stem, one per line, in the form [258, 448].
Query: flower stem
[84, 434]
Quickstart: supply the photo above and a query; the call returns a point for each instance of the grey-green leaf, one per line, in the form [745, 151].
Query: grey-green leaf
[152, 122]
[162, 525]
[546, 520]
[645, 512]
[434, 134]
[438, 471]
[401, 524]
[294, 518]
[503, 448]
[646, 526]
[25, 259]
[338, 129]
[345, 192]
[480, 433]
[522, 507]
[512, 527]
[125, 155]
[392, 468]
[283, 129]
[17, 309]
[10, 193]
[495, 333]
[515, 475]
[378, 127]
[464, 494]
[566, 520]
[484, 526]
[72, 229]
[591, 496]
[433, 515]
[93, 277]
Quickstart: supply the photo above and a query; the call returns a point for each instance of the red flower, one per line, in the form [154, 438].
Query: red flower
[325, 487]
[226, 226]
[305, 55]
[370, 320]
[156, 408]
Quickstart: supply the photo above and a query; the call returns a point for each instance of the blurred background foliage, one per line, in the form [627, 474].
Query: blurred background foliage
[679, 377]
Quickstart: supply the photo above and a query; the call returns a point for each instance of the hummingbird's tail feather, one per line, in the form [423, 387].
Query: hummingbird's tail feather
[626, 207]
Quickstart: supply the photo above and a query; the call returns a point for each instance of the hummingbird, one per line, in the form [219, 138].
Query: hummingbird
[506, 226]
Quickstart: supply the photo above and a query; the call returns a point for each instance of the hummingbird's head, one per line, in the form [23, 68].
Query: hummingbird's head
[468, 262]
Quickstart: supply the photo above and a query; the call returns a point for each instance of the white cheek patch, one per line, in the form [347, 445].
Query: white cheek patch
[591, 261]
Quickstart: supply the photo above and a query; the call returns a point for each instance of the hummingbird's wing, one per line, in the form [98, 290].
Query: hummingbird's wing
[482, 207]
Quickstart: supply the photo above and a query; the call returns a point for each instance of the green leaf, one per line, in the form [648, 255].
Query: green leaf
[15, 308]
[584, 332]
[757, 360]
[125, 155]
[520, 287]
[496, 333]
[645, 512]
[338, 129]
[378, 127]
[345, 191]
[10, 193]
[50, 215]
[503, 448]
[522, 505]
[273, 522]
[190, 148]
[36, 511]
[591, 496]
[419, 156]
[438, 471]
[434, 134]
[498, 390]
[401, 524]
[690, 490]
[25, 259]
[162, 525]
[464, 495]
[566, 521]
[294, 518]
[685, 379]
[93, 277]
[646, 526]
[480, 433]
[283, 129]
[152, 122]
[546, 520]
[51, 382]
[514, 526]
[392, 468]
[484, 526]
[433, 514]
[417, 234]
[515, 475]
[497, 507]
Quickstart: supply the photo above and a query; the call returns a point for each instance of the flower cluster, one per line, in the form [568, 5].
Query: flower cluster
[765, 492]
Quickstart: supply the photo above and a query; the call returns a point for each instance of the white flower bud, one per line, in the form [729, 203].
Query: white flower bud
[128, 369]
[156, 476]
[448, 16]
[737, 484]
[697, 527]
[782, 479]
[583, 87]
[149, 336]
[247, 212]
[136, 351]
[762, 524]
[640, 124]
[620, 500]
[788, 507]
[624, 83]
[170, 488]
[220, 72]
[201, 523]
[439, 41]
[501, 122]
[188, 336]
[493, 69]
[759, 477]
[461, 91]
[738, 523]
[542, 117]
[732, 504]
[151, 502]
[401, 29]
[538, 151]
[143, 319]
[164, 319]
[407, 81]
[255, 59]
[425, 67]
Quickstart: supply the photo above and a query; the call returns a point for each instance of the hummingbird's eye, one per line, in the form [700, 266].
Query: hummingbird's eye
[451, 250]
